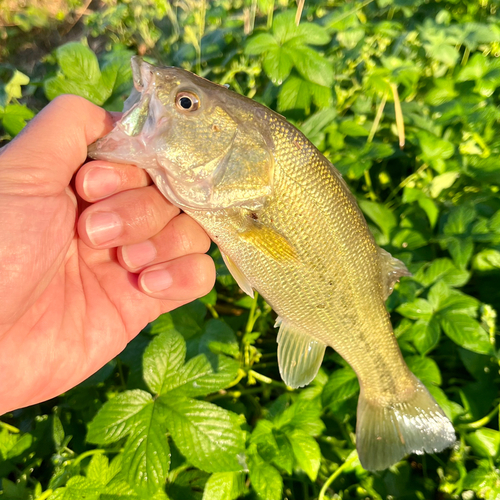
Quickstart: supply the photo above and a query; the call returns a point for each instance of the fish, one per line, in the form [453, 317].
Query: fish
[289, 228]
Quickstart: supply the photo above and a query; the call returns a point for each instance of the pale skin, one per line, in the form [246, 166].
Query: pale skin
[88, 255]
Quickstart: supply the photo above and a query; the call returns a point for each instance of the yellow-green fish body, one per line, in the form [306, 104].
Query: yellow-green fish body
[288, 227]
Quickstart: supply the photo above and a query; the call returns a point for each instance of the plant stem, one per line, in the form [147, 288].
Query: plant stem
[400, 125]
[352, 457]
[377, 119]
[252, 318]
[482, 421]
[9, 427]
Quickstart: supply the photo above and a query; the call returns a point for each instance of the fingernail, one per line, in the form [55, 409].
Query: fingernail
[139, 254]
[103, 227]
[156, 281]
[100, 182]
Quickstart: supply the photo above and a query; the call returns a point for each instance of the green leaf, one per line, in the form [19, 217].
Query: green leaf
[146, 456]
[487, 260]
[353, 129]
[485, 442]
[442, 182]
[307, 453]
[223, 486]
[98, 469]
[208, 436]
[265, 479]
[297, 93]
[303, 415]
[459, 219]
[14, 118]
[219, 338]
[13, 86]
[425, 369]
[118, 417]
[466, 332]
[418, 309]
[202, 375]
[163, 358]
[77, 62]
[312, 66]
[277, 64]
[425, 335]
[380, 214]
[260, 44]
[342, 384]
[434, 148]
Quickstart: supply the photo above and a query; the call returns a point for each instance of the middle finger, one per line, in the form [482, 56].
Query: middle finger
[125, 218]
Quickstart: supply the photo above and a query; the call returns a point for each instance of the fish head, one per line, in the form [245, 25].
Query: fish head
[204, 146]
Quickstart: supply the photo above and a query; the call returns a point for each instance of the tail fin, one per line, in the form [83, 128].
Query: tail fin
[385, 434]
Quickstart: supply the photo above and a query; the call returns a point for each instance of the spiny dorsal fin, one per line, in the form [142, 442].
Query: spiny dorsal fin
[240, 278]
[392, 270]
[299, 356]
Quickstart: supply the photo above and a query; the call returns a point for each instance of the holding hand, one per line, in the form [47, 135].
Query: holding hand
[84, 265]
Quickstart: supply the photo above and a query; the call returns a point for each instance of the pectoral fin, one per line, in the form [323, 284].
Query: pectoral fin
[392, 270]
[299, 356]
[270, 242]
[240, 278]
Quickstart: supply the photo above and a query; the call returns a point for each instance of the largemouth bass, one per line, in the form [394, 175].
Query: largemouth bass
[288, 227]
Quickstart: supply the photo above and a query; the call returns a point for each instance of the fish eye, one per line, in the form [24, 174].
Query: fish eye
[187, 101]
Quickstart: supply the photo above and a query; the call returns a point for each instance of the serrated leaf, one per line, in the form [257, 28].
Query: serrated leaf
[118, 417]
[313, 66]
[223, 486]
[208, 436]
[265, 479]
[202, 375]
[425, 369]
[14, 118]
[77, 61]
[466, 332]
[485, 442]
[277, 64]
[307, 453]
[381, 215]
[342, 384]
[303, 415]
[425, 335]
[162, 360]
[146, 456]
[98, 470]
[418, 309]
[259, 44]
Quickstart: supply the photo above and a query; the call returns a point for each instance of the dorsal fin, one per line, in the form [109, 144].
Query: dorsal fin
[392, 270]
[299, 356]
[239, 277]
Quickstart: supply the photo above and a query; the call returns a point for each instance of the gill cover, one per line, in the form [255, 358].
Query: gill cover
[209, 157]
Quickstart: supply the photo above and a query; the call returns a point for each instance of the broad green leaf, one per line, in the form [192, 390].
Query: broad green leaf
[223, 486]
[418, 309]
[202, 375]
[466, 332]
[297, 93]
[304, 415]
[265, 479]
[425, 369]
[208, 436]
[13, 86]
[219, 338]
[380, 214]
[353, 129]
[476, 68]
[311, 34]
[342, 384]
[312, 66]
[307, 453]
[461, 250]
[283, 459]
[98, 469]
[263, 437]
[277, 64]
[77, 61]
[146, 456]
[162, 360]
[260, 44]
[441, 182]
[14, 118]
[437, 294]
[425, 335]
[118, 417]
[459, 219]
[434, 148]
[487, 260]
[485, 442]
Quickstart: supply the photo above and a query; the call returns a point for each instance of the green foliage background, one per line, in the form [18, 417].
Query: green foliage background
[194, 408]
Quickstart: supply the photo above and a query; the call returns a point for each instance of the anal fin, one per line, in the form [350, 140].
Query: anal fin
[239, 277]
[392, 270]
[299, 356]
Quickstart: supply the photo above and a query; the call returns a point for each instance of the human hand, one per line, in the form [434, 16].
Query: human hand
[81, 275]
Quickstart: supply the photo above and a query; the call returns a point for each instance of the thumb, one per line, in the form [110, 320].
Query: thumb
[44, 157]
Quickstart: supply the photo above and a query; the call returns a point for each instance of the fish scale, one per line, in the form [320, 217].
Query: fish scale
[288, 227]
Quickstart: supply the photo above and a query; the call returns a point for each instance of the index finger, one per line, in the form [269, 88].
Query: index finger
[44, 157]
